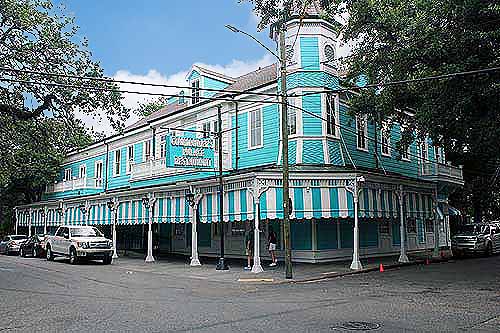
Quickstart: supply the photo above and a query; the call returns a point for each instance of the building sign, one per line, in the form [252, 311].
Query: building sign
[186, 152]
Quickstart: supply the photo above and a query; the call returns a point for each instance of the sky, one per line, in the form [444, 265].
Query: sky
[158, 41]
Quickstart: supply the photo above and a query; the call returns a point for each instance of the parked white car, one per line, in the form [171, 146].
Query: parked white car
[79, 242]
[11, 243]
[477, 238]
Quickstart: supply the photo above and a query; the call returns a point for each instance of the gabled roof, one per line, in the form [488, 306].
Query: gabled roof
[255, 79]
[209, 73]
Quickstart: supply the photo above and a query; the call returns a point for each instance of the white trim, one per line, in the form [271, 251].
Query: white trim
[129, 161]
[249, 116]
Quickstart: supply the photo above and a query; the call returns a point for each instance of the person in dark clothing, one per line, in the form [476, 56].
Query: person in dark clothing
[249, 247]
[272, 240]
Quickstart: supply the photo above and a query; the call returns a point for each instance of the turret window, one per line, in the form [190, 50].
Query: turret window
[385, 135]
[292, 117]
[331, 115]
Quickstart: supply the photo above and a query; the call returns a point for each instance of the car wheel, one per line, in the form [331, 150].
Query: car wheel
[21, 253]
[107, 260]
[50, 255]
[73, 258]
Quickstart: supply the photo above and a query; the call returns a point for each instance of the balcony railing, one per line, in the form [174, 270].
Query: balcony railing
[434, 170]
[75, 184]
[158, 168]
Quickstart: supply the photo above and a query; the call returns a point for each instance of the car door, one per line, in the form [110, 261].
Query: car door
[57, 240]
[3, 244]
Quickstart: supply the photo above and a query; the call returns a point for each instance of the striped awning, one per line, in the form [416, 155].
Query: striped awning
[172, 210]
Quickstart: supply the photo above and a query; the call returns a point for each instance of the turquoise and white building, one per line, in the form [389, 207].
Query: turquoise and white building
[337, 163]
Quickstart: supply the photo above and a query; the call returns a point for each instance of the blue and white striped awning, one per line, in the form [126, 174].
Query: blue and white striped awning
[172, 210]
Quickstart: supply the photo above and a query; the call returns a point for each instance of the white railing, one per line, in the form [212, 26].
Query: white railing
[75, 184]
[432, 169]
[158, 168]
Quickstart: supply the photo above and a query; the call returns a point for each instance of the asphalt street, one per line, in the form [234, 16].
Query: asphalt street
[42, 296]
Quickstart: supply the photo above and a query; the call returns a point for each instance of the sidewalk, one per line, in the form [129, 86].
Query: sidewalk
[302, 272]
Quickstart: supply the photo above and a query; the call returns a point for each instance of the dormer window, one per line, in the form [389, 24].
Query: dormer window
[195, 91]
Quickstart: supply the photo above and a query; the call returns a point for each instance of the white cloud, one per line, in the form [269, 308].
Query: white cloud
[234, 69]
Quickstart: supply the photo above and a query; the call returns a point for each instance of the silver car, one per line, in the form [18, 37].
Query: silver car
[11, 243]
[477, 238]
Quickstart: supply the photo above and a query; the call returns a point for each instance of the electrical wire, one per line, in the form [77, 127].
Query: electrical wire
[109, 80]
[65, 85]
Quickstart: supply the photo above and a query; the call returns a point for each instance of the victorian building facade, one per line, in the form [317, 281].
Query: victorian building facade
[163, 169]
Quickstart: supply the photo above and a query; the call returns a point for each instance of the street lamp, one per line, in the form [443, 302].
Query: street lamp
[111, 206]
[284, 136]
[148, 202]
[193, 200]
[83, 209]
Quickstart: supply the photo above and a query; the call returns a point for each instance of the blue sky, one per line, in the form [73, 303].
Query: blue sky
[166, 35]
[157, 41]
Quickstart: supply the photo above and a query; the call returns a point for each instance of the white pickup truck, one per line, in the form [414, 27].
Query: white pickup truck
[79, 242]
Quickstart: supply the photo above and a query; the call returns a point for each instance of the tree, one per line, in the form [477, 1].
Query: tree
[38, 111]
[148, 107]
[409, 39]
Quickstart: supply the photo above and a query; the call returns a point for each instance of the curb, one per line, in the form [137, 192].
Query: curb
[362, 271]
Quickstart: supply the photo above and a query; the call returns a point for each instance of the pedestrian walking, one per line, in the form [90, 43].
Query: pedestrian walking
[272, 240]
[249, 248]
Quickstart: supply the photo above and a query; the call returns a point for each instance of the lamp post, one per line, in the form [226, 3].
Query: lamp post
[112, 206]
[84, 209]
[148, 202]
[30, 221]
[284, 138]
[353, 187]
[193, 200]
[402, 255]
[221, 265]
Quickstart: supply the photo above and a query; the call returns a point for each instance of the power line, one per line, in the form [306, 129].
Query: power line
[400, 82]
[301, 21]
[65, 85]
[108, 80]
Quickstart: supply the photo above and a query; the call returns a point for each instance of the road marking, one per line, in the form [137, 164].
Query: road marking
[5, 269]
[256, 280]
[326, 273]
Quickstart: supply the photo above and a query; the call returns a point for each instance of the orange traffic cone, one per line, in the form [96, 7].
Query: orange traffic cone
[381, 268]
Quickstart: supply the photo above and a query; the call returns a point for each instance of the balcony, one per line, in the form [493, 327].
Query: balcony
[445, 173]
[157, 168]
[76, 184]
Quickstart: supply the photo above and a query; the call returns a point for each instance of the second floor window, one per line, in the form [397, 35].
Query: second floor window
[331, 116]
[255, 128]
[195, 92]
[163, 147]
[67, 175]
[83, 171]
[147, 150]
[130, 158]
[206, 130]
[405, 154]
[98, 174]
[361, 132]
[117, 166]
[292, 117]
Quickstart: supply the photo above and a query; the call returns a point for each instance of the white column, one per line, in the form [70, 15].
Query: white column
[356, 263]
[149, 257]
[115, 214]
[257, 267]
[29, 224]
[195, 261]
[402, 256]
[16, 212]
[45, 213]
[435, 253]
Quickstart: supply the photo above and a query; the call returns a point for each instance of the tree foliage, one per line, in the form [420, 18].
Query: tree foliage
[396, 40]
[39, 123]
[146, 108]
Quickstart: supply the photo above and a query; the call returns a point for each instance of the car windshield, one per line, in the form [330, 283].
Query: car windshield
[471, 229]
[85, 232]
[18, 237]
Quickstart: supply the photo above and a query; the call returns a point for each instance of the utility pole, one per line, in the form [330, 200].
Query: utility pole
[284, 138]
[221, 265]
